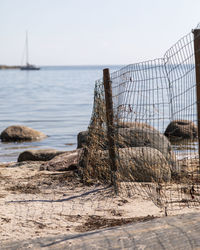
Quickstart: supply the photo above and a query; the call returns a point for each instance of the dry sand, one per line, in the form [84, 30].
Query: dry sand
[37, 203]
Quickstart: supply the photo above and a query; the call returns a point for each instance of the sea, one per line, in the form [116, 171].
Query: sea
[56, 100]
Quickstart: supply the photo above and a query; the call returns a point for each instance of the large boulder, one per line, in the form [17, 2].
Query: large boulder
[39, 155]
[143, 164]
[63, 162]
[123, 124]
[21, 133]
[144, 137]
[181, 129]
[82, 137]
[138, 135]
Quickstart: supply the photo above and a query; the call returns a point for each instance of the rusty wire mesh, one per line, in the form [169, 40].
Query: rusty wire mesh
[155, 123]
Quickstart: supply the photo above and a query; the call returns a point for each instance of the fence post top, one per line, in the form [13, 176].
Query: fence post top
[106, 70]
[195, 30]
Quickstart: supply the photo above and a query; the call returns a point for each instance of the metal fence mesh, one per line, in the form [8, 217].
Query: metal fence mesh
[154, 156]
[155, 130]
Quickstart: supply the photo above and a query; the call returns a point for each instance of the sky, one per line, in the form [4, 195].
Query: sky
[93, 32]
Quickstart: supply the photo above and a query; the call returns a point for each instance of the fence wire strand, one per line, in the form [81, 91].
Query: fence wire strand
[156, 152]
[155, 123]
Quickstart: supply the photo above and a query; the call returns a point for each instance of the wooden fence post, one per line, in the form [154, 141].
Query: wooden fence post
[110, 126]
[196, 33]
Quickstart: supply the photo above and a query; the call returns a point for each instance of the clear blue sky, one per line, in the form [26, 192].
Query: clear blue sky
[86, 32]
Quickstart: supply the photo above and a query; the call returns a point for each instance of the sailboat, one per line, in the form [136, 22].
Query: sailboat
[28, 66]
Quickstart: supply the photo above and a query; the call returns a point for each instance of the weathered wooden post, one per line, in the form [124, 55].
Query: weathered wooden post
[196, 33]
[110, 127]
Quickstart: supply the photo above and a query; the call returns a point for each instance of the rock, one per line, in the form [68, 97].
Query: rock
[144, 137]
[21, 133]
[63, 162]
[82, 139]
[134, 125]
[181, 129]
[38, 155]
[143, 164]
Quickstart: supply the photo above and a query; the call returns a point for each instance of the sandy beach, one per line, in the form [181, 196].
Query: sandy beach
[38, 203]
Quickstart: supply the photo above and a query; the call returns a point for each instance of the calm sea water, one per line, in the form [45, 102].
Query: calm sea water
[55, 100]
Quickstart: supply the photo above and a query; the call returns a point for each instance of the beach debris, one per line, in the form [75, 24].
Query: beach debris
[95, 222]
[181, 129]
[18, 133]
[39, 155]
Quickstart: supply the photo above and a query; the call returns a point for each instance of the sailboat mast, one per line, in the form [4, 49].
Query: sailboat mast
[28, 66]
[27, 59]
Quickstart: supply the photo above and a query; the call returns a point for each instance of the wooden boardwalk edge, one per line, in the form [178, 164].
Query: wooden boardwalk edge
[176, 232]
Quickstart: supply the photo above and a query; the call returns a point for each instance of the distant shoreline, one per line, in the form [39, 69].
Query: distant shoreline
[9, 67]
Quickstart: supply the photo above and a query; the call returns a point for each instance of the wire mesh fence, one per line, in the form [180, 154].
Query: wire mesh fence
[141, 146]
[155, 124]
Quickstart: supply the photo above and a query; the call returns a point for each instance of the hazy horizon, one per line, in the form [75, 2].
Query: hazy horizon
[92, 32]
[72, 65]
